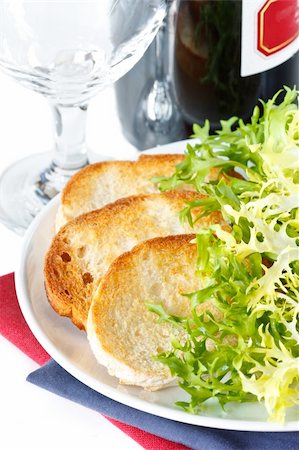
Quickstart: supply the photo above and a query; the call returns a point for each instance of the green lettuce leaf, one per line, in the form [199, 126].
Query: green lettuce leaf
[243, 345]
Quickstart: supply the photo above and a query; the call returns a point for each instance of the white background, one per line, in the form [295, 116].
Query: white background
[31, 418]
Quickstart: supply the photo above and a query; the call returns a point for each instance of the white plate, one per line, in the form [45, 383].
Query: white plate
[69, 346]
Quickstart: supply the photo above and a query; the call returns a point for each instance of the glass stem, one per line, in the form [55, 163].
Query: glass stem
[159, 52]
[70, 128]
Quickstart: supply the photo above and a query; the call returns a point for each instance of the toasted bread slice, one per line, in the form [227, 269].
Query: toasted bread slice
[99, 184]
[82, 251]
[123, 334]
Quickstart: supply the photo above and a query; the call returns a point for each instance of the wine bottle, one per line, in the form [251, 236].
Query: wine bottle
[270, 43]
[223, 55]
[228, 54]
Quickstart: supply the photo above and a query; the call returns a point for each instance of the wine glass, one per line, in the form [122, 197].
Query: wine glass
[157, 119]
[152, 118]
[67, 51]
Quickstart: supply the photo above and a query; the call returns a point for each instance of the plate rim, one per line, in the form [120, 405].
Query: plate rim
[156, 409]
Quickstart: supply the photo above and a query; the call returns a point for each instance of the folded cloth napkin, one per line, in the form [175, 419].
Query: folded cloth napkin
[55, 379]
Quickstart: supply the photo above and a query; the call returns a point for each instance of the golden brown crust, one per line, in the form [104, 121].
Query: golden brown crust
[83, 249]
[159, 164]
[163, 158]
[103, 182]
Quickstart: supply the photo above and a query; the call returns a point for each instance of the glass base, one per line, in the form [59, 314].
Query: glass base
[28, 185]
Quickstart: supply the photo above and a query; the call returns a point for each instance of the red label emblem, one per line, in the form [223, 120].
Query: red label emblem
[278, 25]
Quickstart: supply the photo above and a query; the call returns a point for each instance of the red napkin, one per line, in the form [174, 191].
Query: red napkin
[14, 328]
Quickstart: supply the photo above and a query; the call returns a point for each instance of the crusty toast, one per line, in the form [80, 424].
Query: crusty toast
[123, 334]
[99, 184]
[83, 249]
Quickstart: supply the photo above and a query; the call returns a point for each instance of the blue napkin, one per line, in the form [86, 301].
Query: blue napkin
[55, 379]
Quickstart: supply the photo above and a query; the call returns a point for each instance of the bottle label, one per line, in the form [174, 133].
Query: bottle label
[270, 34]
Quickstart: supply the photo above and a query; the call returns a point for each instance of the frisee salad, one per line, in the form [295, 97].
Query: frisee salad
[249, 350]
